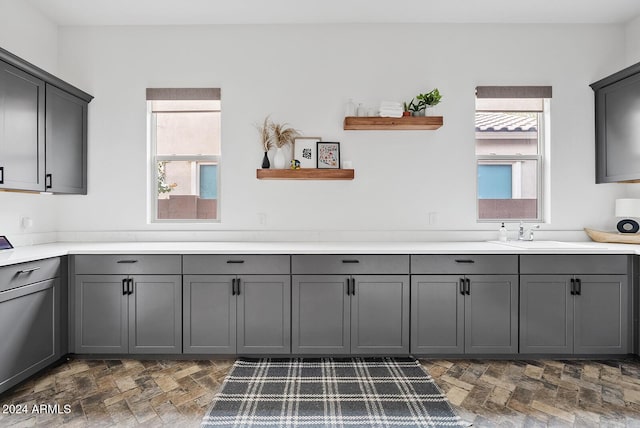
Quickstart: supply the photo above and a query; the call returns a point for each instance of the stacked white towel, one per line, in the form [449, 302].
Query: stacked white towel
[391, 109]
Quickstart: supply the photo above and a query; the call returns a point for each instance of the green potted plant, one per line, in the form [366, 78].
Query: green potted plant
[416, 108]
[430, 99]
[406, 111]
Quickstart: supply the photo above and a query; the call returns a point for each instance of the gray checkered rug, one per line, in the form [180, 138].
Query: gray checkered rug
[330, 392]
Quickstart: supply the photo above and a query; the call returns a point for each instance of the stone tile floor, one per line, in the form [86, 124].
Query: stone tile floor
[488, 393]
[540, 393]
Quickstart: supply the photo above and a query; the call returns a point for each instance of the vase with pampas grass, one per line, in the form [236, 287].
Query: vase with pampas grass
[265, 140]
[282, 136]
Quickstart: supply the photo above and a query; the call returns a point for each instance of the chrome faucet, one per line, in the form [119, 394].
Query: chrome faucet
[526, 234]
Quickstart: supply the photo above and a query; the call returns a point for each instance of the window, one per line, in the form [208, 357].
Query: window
[184, 142]
[511, 130]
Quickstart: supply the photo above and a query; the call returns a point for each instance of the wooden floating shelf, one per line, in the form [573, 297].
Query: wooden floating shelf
[407, 123]
[305, 174]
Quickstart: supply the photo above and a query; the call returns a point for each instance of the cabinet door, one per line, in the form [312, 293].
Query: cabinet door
[601, 315]
[321, 314]
[546, 314]
[264, 314]
[21, 130]
[209, 314]
[155, 315]
[437, 314]
[101, 315]
[66, 142]
[380, 315]
[30, 320]
[491, 315]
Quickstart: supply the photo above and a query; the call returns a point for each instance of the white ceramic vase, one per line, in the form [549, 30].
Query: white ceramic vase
[279, 159]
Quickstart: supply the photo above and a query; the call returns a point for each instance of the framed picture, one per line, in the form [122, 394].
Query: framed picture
[328, 155]
[304, 150]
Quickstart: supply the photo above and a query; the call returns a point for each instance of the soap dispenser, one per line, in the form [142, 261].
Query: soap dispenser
[502, 233]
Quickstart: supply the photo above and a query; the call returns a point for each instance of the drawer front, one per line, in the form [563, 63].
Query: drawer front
[308, 264]
[203, 264]
[459, 264]
[596, 264]
[28, 273]
[157, 264]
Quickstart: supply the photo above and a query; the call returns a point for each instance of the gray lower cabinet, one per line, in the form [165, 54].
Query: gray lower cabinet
[21, 129]
[575, 304]
[66, 141]
[574, 314]
[354, 314]
[31, 315]
[237, 314]
[139, 314]
[472, 314]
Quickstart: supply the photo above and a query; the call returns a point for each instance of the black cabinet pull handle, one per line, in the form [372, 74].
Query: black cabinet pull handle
[238, 286]
[125, 286]
[351, 261]
[578, 286]
[127, 261]
[353, 286]
[465, 261]
[462, 287]
[468, 288]
[130, 286]
[233, 287]
[48, 181]
[1, 175]
[235, 261]
[573, 287]
[23, 271]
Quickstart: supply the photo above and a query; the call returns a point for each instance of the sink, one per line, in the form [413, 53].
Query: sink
[544, 245]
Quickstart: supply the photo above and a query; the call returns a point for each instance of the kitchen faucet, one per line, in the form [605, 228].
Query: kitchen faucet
[529, 232]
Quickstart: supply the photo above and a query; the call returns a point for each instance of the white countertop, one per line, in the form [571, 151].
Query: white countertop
[36, 252]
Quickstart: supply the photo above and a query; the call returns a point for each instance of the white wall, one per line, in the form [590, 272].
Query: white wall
[632, 39]
[304, 75]
[25, 32]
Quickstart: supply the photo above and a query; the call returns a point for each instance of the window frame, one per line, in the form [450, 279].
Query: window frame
[152, 173]
[540, 158]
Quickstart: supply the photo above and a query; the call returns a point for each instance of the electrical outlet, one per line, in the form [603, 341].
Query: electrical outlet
[262, 219]
[432, 218]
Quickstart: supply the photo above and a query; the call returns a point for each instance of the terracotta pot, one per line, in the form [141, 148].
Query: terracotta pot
[406, 113]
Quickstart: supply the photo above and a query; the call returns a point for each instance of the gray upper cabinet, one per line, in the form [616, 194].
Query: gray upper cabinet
[43, 130]
[22, 104]
[617, 102]
[346, 304]
[582, 307]
[230, 308]
[124, 308]
[66, 140]
[31, 311]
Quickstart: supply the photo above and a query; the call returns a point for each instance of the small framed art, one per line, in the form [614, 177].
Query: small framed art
[328, 155]
[304, 150]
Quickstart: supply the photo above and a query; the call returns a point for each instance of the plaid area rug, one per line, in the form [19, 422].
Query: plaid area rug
[330, 392]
